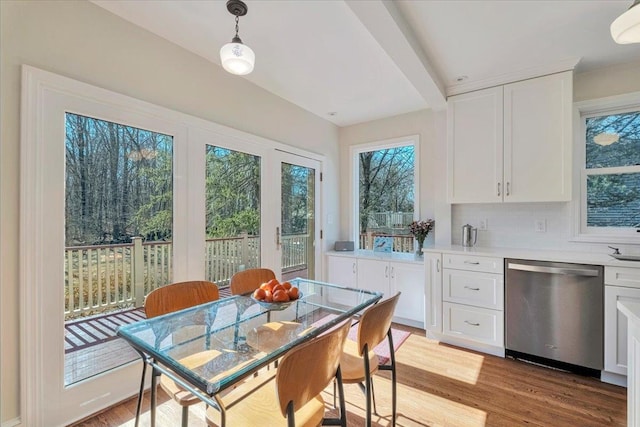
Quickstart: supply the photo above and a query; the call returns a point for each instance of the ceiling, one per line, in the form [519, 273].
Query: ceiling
[358, 60]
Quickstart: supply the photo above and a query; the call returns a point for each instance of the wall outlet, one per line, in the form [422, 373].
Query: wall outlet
[541, 225]
[483, 224]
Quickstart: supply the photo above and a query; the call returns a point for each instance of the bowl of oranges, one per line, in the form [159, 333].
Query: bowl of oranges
[275, 295]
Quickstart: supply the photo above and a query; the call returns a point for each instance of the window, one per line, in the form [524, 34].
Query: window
[385, 192]
[610, 173]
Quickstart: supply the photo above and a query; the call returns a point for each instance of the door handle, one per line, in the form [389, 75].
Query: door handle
[498, 189]
[472, 262]
[438, 265]
[472, 289]
[393, 272]
[554, 270]
[354, 268]
[278, 237]
[386, 271]
[507, 193]
[471, 323]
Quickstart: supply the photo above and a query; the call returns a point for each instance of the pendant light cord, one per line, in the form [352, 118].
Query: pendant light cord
[237, 19]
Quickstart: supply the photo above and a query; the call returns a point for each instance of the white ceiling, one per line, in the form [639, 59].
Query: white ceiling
[368, 59]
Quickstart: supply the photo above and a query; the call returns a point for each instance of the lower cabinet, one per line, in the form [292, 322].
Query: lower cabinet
[342, 270]
[387, 277]
[621, 284]
[465, 300]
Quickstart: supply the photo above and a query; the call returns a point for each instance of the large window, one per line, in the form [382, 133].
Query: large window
[610, 178]
[386, 193]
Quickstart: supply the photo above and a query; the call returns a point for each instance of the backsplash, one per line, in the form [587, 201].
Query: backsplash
[514, 225]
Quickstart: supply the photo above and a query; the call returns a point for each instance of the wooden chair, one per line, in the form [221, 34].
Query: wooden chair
[358, 361]
[295, 388]
[168, 299]
[249, 280]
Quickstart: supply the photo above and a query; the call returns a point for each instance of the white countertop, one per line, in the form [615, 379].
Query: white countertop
[535, 254]
[389, 256]
[518, 253]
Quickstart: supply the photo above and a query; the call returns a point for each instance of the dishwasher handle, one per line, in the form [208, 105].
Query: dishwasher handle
[554, 270]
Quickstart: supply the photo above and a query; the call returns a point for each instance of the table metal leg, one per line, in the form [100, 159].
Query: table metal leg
[140, 393]
[154, 382]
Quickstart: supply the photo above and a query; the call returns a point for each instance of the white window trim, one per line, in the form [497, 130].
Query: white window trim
[354, 152]
[582, 111]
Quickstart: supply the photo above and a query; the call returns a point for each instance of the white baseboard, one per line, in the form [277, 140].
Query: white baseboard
[12, 423]
[615, 379]
[471, 345]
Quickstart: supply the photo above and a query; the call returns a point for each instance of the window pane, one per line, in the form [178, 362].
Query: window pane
[118, 192]
[613, 200]
[233, 213]
[613, 140]
[387, 196]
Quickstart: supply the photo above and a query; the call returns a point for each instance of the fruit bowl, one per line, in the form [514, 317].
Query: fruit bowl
[276, 306]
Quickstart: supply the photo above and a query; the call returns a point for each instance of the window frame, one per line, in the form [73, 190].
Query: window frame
[354, 156]
[583, 110]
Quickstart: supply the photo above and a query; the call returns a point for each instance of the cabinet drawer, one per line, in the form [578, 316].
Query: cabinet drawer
[478, 324]
[473, 288]
[473, 263]
[628, 277]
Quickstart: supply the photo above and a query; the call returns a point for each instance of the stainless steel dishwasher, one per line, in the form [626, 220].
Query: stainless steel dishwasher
[554, 314]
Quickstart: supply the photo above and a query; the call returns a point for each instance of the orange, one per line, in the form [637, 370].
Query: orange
[278, 287]
[286, 285]
[294, 293]
[273, 282]
[266, 286]
[268, 296]
[259, 294]
[280, 296]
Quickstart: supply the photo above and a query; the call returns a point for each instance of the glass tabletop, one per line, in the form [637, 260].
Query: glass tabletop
[215, 345]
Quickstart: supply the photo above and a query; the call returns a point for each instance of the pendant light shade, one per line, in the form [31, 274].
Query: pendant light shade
[626, 28]
[236, 57]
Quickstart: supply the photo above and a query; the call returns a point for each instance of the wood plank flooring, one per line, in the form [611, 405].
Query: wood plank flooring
[440, 385]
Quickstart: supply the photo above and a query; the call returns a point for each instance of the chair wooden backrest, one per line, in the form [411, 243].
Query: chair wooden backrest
[178, 296]
[307, 369]
[375, 323]
[249, 280]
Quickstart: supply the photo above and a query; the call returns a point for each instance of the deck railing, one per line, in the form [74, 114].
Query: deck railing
[103, 277]
[401, 242]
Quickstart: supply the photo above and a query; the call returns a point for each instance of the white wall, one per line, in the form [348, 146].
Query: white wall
[80, 40]
[430, 126]
[509, 225]
[512, 225]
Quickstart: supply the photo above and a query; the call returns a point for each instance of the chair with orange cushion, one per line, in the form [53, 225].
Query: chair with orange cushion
[358, 361]
[291, 395]
[174, 297]
[249, 280]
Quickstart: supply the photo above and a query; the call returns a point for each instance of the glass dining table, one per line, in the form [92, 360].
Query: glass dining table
[209, 348]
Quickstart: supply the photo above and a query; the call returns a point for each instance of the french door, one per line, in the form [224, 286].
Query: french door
[298, 229]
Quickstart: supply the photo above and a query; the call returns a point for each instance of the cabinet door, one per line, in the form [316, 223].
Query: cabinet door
[374, 275]
[474, 146]
[615, 328]
[537, 139]
[342, 271]
[408, 279]
[433, 292]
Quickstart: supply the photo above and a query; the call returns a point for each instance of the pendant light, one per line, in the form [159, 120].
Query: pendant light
[236, 57]
[626, 28]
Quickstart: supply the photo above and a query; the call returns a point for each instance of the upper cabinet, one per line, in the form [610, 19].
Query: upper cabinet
[511, 143]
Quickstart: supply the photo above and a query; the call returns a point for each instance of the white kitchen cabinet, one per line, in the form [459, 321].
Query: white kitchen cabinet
[474, 146]
[343, 271]
[433, 292]
[390, 277]
[627, 288]
[500, 139]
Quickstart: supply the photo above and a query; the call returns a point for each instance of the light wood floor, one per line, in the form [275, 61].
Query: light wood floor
[440, 385]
